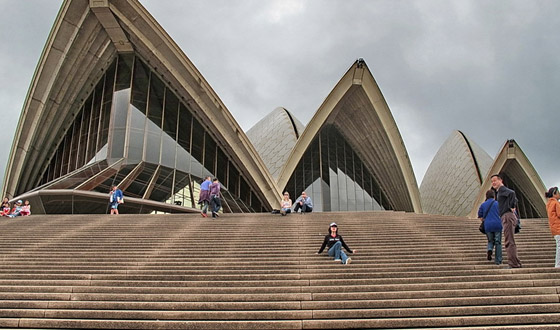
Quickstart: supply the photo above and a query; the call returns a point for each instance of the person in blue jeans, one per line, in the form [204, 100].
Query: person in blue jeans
[204, 197]
[304, 203]
[115, 199]
[334, 243]
[492, 226]
[215, 195]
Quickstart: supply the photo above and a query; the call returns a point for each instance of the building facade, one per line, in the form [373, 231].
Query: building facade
[108, 107]
[114, 101]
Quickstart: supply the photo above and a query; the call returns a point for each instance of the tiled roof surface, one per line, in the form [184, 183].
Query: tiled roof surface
[274, 137]
[452, 182]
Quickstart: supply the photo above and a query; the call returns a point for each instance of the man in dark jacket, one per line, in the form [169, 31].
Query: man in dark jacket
[506, 205]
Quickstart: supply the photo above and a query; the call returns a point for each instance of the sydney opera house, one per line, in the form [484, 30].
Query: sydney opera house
[114, 101]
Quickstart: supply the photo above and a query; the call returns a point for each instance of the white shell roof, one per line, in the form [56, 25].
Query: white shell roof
[274, 137]
[453, 179]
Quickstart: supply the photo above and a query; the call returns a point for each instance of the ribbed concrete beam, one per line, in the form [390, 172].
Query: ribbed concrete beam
[103, 13]
[85, 38]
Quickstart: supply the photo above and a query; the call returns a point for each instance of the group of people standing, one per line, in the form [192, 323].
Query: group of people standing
[499, 213]
[20, 208]
[210, 197]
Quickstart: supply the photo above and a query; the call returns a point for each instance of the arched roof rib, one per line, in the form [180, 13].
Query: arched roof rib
[520, 174]
[453, 179]
[81, 44]
[155, 46]
[357, 108]
[75, 50]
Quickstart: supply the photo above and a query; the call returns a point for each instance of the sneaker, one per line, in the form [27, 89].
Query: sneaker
[337, 260]
[348, 261]
[204, 215]
[489, 255]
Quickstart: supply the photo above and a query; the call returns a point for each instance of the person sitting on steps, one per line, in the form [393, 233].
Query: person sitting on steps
[304, 203]
[6, 207]
[286, 204]
[334, 243]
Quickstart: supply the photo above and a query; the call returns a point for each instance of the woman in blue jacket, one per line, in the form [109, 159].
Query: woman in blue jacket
[115, 198]
[489, 212]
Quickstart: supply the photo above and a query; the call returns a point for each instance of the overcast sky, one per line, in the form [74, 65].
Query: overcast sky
[488, 68]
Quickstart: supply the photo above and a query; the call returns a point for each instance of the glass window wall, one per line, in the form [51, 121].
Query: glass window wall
[334, 176]
[133, 116]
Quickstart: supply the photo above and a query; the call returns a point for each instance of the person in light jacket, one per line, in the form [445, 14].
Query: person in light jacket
[286, 204]
[304, 203]
[553, 211]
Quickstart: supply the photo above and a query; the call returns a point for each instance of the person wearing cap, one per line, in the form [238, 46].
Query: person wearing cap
[553, 211]
[334, 243]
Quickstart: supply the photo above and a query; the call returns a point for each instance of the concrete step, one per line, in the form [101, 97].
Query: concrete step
[185, 272]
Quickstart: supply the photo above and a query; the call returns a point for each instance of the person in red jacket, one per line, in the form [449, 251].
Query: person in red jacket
[553, 210]
[6, 207]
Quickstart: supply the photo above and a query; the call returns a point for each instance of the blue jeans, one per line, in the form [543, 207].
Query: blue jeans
[216, 203]
[205, 205]
[336, 252]
[304, 209]
[495, 242]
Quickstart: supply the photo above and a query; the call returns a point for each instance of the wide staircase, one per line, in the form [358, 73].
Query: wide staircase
[260, 271]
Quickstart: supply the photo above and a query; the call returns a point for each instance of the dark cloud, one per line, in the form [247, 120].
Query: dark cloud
[488, 68]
